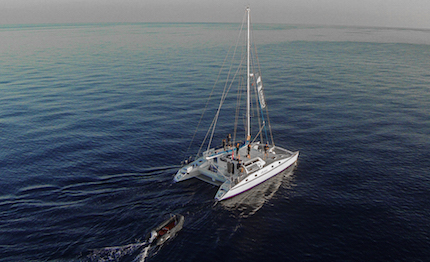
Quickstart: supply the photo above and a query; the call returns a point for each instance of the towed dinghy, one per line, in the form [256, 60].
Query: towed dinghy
[166, 230]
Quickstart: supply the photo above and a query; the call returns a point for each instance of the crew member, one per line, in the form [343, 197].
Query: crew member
[266, 148]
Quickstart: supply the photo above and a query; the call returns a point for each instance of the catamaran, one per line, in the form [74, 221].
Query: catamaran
[239, 166]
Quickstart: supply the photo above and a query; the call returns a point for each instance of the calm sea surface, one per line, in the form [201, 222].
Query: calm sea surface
[95, 119]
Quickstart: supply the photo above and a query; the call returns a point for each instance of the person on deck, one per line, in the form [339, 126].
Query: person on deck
[237, 151]
[223, 144]
[266, 148]
[229, 140]
[239, 166]
[249, 151]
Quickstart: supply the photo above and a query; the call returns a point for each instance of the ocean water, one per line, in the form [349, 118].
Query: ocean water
[96, 118]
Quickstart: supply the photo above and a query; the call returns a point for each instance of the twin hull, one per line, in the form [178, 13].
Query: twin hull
[228, 188]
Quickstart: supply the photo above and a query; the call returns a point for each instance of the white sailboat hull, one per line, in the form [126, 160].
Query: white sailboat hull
[257, 178]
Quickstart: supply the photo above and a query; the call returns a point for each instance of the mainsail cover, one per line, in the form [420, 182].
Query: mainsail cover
[260, 92]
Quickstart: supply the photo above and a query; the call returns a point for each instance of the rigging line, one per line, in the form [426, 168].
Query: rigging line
[207, 102]
[224, 94]
[258, 103]
[253, 106]
[213, 125]
[240, 90]
[223, 97]
[256, 53]
[270, 126]
[222, 102]
[254, 84]
[267, 109]
[258, 106]
[264, 124]
[258, 133]
[236, 115]
[210, 96]
[206, 136]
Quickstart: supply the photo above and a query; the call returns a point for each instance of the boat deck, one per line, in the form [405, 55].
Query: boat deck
[273, 154]
[242, 165]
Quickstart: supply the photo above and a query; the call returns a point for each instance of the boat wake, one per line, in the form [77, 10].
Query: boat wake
[133, 252]
[138, 252]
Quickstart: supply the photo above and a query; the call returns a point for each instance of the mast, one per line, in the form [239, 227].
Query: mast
[248, 93]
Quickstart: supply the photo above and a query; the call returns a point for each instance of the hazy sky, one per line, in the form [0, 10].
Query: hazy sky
[385, 13]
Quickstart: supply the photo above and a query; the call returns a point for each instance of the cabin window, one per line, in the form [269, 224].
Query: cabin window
[251, 162]
[252, 168]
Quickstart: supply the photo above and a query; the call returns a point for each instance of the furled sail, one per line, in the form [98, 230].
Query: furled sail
[260, 92]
